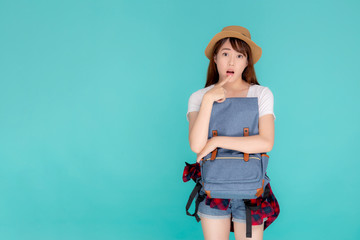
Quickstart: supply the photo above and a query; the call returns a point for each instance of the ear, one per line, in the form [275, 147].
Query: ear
[215, 58]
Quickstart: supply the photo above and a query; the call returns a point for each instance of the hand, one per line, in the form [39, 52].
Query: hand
[218, 93]
[209, 147]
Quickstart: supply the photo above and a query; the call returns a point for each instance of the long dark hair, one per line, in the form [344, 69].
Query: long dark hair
[239, 45]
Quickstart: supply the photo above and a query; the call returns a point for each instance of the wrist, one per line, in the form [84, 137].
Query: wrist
[215, 141]
[207, 98]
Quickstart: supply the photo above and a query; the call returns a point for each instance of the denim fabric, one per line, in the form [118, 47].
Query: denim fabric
[236, 208]
[229, 176]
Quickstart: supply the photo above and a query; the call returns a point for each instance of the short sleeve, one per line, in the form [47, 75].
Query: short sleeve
[266, 105]
[193, 104]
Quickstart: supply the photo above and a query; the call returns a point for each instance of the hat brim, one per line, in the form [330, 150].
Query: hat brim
[255, 49]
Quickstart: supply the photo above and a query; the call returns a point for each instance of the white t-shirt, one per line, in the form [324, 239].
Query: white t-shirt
[264, 95]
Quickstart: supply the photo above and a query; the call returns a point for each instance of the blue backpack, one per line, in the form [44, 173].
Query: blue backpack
[230, 174]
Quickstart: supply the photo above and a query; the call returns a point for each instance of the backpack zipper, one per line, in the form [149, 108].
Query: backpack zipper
[232, 158]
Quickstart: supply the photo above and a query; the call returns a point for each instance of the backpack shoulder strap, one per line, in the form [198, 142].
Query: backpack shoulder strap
[254, 207]
[200, 197]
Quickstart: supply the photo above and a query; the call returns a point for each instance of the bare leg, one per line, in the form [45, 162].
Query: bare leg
[216, 229]
[240, 231]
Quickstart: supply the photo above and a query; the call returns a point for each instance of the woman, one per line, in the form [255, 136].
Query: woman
[231, 73]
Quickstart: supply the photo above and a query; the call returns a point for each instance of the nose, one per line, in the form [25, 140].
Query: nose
[231, 61]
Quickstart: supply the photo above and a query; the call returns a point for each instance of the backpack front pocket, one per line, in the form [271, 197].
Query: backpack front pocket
[232, 170]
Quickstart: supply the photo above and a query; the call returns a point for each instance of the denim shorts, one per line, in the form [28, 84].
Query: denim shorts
[236, 208]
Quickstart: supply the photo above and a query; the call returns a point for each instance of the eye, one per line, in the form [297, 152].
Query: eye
[241, 55]
[224, 53]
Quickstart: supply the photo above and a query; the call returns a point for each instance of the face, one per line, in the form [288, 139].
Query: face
[227, 59]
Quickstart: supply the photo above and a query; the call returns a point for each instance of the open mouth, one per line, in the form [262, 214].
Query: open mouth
[229, 72]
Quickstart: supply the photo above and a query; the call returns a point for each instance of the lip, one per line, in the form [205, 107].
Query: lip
[228, 74]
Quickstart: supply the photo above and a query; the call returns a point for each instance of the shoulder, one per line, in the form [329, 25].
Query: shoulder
[265, 99]
[196, 99]
[260, 91]
[200, 93]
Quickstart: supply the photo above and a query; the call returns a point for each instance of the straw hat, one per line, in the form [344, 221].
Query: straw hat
[236, 32]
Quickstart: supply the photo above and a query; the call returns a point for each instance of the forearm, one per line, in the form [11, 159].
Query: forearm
[248, 144]
[199, 132]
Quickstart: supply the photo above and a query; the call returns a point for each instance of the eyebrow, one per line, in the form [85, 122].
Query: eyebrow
[229, 49]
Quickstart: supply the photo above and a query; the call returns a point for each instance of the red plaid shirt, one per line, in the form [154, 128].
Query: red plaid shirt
[269, 206]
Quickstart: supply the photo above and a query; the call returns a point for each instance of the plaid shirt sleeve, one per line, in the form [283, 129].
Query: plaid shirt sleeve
[191, 171]
[269, 206]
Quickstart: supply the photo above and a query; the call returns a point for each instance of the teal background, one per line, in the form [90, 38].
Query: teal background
[93, 97]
